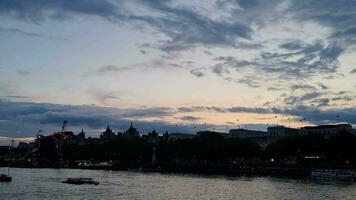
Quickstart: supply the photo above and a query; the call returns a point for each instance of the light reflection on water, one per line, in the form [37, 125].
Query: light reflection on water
[46, 184]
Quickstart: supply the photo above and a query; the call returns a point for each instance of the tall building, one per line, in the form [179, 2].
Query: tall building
[131, 133]
[259, 137]
[264, 138]
[152, 137]
[81, 135]
[281, 131]
[107, 134]
[326, 130]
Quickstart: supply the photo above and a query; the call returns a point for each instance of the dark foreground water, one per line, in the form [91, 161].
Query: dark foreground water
[46, 184]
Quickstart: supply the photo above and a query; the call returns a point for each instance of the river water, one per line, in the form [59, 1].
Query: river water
[36, 184]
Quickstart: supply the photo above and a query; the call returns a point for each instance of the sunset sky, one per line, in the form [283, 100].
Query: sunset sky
[175, 65]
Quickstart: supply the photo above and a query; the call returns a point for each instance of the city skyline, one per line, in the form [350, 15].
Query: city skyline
[175, 65]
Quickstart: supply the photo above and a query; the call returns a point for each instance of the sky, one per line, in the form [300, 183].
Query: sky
[176, 66]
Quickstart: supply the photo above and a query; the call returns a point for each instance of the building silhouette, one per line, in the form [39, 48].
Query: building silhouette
[131, 133]
[108, 134]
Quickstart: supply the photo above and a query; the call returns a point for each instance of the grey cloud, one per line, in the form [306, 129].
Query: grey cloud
[190, 118]
[310, 113]
[313, 59]
[188, 28]
[302, 87]
[208, 53]
[220, 70]
[292, 45]
[274, 88]
[322, 86]
[312, 97]
[39, 10]
[337, 14]
[23, 72]
[16, 116]
[184, 27]
[236, 109]
[16, 97]
[353, 71]
[197, 73]
[109, 69]
[248, 3]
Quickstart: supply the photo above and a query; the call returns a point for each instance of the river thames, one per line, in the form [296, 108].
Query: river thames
[33, 184]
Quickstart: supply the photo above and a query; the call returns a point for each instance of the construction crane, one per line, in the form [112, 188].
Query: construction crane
[64, 126]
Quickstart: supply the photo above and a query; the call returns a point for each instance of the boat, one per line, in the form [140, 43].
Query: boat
[324, 174]
[80, 181]
[345, 175]
[134, 169]
[334, 174]
[5, 178]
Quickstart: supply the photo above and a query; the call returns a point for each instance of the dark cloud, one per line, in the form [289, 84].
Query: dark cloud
[184, 27]
[312, 114]
[39, 10]
[236, 109]
[187, 28]
[197, 73]
[208, 53]
[353, 71]
[23, 72]
[16, 116]
[292, 45]
[274, 88]
[297, 100]
[248, 3]
[337, 14]
[189, 118]
[220, 70]
[109, 69]
[16, 97]
[322, 86]
[302, 87]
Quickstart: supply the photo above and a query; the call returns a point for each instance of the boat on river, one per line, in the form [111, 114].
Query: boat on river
[5, 178]
[333, 174]
[80, 181]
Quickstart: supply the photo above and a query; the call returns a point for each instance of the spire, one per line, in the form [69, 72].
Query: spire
[108, 127]
[131, 125]
[82, 130]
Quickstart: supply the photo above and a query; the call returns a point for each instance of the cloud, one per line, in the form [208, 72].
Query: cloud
[22, 119]
[292, 45]
[189, 118]
[197, 73]
[313, 114]
[338, 15]
[220, 70]
[28, 34]
[38, 11]
[109, 69]
[302, 87]
[235, 109]
[23, 72]
[184, 27]
[16, 97]
[353, 71]
[161, 63]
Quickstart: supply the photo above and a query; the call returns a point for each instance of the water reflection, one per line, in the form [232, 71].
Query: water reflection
[46, 184]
